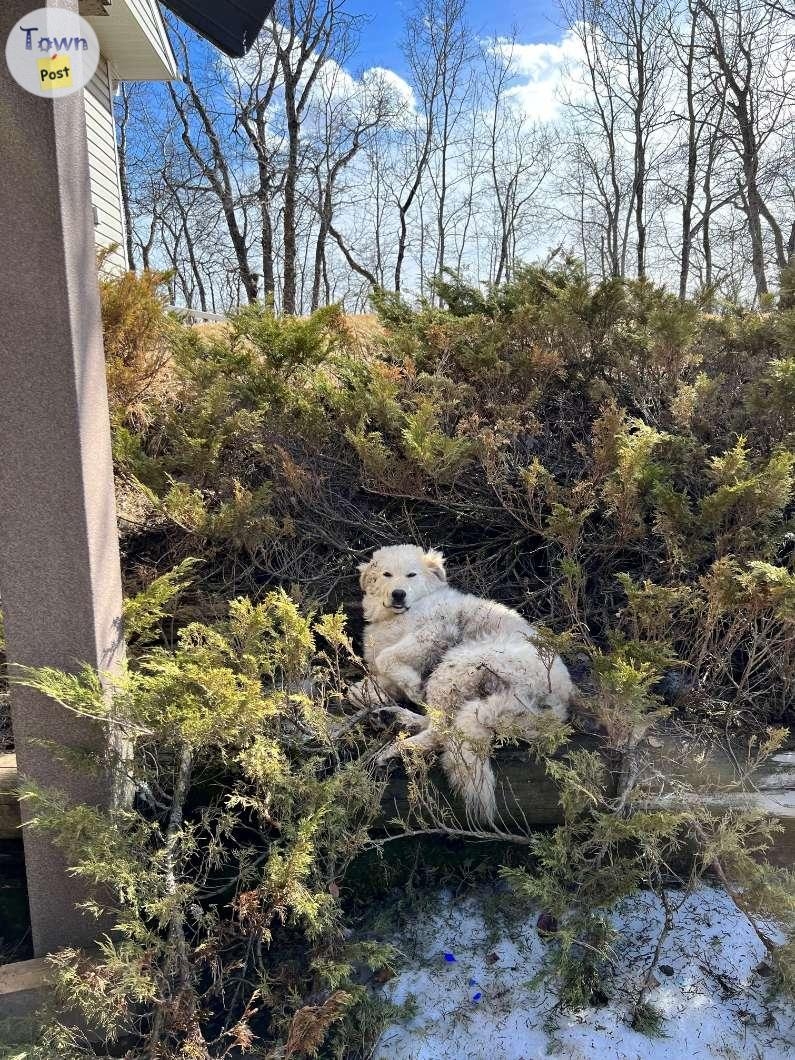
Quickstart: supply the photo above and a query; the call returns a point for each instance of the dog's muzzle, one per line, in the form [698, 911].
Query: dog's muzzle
[398, 601]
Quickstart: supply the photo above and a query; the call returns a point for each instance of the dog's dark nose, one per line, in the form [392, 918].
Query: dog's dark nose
[399, 596]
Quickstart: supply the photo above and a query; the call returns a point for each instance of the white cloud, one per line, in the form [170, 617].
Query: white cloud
[401, 88]
[540, 71]
[334, 81]
[539, 61]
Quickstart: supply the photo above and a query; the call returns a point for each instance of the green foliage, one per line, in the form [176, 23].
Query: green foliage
[144, 612]
[431, 449]
[246, 816]
[616, 463]
[135, 327]
[638, 419]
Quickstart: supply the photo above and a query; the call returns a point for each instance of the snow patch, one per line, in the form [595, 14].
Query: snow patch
[483, 1005]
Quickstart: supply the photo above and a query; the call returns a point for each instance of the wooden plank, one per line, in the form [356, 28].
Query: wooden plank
[8, 771]
[23, 975]
[525, 789]
[9, 804]
[24, 986]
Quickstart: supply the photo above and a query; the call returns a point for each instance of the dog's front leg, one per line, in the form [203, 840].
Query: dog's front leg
[408, 718]
[424, 742]
[369, 693]
[397, 674]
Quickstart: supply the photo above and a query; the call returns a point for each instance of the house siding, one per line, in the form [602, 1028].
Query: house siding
[103, 166]
[148, 14]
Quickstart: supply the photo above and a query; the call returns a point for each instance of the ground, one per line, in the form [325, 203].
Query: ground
[468, 982]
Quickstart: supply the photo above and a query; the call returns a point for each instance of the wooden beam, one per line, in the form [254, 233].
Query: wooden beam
[23, 976]
[24, 986]
[525, 789]
[9, 804]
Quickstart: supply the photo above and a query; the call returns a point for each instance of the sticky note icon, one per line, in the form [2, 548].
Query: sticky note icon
[55, 72]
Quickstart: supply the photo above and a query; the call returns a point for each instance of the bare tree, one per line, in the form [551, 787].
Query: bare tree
[141, 134]
[426, 48]
[697, 147]
[451, 52]
[122, 122]
[599, 116]
[254, 86]
[286, 174]
[626, 70]
[203, 139]
[351, 118]
[518, 156]
[749, 55]
[306, 34]
[181, 208]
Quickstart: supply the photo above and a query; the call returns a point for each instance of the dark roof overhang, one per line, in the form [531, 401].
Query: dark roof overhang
[231, 25]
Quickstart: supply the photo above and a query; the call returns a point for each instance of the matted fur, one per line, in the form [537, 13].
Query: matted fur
[471, 661]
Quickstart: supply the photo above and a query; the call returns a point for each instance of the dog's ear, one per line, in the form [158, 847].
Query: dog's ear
[366, 574]
[434, 561]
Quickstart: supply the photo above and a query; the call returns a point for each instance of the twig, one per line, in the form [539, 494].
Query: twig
[177, 967]
[453, 833]
[720, 872]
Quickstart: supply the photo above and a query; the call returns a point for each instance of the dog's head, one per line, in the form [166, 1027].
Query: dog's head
[397, 577]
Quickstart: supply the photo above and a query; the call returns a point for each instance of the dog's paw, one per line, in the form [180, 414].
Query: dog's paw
[413, 691]
[388, 754]
[364, 693]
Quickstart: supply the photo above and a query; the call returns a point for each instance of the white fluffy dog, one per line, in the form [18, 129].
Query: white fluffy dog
[472, 661]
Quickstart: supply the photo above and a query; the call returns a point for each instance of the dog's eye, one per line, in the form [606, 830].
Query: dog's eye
[412, 575]
[387, 574]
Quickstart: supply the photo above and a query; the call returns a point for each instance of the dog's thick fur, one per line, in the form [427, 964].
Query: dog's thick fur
[471, 661]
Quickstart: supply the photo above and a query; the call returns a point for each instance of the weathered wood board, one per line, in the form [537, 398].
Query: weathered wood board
[23, 988]
[9, 805]
[527, 793]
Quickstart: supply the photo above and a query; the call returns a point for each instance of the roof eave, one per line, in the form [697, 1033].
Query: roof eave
[138, 49]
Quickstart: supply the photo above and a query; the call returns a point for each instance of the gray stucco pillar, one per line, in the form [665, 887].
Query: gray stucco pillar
[60, 585]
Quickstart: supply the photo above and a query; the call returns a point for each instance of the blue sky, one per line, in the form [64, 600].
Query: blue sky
[538, 61]
[534, 20]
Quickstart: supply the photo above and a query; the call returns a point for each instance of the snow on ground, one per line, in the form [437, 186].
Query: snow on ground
[481, 1005]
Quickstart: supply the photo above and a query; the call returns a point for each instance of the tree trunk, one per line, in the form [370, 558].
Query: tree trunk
[290, 186]
[320, 257]
[692, 161]
[268, 280]
[640, 164]
[753, 214]
[217, 174]
[123, 182]
[194, 265]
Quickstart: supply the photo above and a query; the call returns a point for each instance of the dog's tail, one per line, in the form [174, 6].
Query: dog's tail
[467, 763]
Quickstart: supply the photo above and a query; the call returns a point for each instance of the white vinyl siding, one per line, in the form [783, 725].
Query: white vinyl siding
[133, 38]
[103, 166]
[148, 15]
